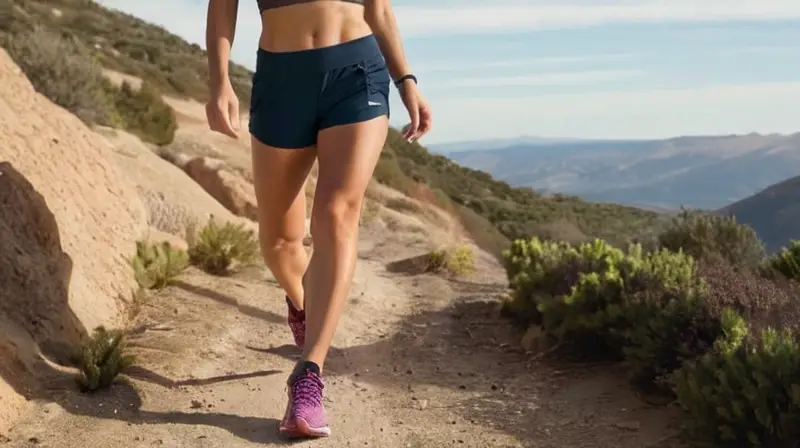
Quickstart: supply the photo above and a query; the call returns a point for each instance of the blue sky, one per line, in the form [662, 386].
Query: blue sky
[576, 68]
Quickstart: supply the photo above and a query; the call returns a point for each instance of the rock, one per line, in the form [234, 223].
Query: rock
[534, 339]
[173, 199]
[68, 225]
[628, 426]
[229, 188]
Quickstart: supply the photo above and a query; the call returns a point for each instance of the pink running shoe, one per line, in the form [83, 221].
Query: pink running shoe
[297, 323]
[305, 413]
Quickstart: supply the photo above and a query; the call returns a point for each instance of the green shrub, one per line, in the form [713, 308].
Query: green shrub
[143, 112]
[701, 235]
[720, 337]
[744, 393]
[63, 70]
[645, 307]
[458, 260]
[787, 261]
[215, 249]
[156, 265]
[101, 359]
[536, 270]
[666, 320]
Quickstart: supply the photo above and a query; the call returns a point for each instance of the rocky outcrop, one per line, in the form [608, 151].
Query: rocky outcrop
[173, 200]
[228, 187]
[68, 225]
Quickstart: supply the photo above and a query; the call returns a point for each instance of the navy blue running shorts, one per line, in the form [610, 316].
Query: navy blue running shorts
[296, 94]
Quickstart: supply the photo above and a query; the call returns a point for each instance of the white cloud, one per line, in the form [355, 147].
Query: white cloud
[461, 65]
[543, 79]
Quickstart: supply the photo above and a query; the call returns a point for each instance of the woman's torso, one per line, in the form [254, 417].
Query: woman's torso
[307, 24]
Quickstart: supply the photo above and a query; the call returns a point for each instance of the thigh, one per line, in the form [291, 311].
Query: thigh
[279, 177]
[347, 158]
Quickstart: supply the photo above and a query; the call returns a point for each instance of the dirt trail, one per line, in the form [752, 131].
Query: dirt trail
[419, 361]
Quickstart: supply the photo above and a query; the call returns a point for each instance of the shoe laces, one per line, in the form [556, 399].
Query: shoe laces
[307, 389]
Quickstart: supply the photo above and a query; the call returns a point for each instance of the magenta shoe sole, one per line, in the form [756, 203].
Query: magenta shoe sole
[301, 429]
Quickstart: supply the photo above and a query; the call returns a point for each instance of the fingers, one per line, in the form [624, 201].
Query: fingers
[234, 114]
[219, 120]
[425, 121]
[411, 130]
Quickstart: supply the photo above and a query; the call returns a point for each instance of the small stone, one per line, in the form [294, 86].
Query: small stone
[533, 339]
[629, 426]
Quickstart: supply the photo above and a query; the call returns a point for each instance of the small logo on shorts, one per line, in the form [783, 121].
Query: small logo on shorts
[373, 103]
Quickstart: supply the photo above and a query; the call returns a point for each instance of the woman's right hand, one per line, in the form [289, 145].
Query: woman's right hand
[222, 110]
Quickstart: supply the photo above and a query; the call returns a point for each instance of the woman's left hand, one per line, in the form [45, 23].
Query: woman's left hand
[418, 111]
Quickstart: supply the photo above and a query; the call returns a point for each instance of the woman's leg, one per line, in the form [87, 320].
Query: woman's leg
[279, 177]
[347, 158]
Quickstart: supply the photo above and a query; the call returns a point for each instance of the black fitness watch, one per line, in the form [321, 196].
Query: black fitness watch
[403, 79]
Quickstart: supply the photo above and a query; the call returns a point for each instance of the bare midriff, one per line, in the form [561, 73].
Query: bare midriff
[306, 26]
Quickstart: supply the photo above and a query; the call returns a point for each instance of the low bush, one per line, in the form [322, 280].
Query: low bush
[458, 260]
[101, 359]
[143, 112]
[718, 336]
[744, 392]
[156, 265]
[64, 71]
[787, 261]
[701, 235]
[217, 249]
[593, 295]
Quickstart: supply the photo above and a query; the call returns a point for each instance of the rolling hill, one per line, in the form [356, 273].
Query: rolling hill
[699, 172]
[773, 213]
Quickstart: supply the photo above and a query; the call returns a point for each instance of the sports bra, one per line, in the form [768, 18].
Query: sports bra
[271, 4]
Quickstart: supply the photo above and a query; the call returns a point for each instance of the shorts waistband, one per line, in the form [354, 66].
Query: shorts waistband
[320, 59]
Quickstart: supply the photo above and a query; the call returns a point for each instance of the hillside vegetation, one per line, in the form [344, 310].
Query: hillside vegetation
[704, 319]
[494, 212]
[124, 43]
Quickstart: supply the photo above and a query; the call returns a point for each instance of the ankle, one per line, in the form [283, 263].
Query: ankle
[303, 367]
[294, 306]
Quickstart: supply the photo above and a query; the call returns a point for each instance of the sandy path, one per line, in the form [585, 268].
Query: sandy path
[418, 362]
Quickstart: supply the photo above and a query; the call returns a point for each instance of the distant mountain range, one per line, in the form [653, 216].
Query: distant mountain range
[707, 172]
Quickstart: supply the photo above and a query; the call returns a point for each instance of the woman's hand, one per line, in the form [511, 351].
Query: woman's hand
[222, 110]
[418, 111]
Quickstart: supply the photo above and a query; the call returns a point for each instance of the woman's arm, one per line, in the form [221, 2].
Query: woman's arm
[222, 109]
[220, 29]
[380, 18]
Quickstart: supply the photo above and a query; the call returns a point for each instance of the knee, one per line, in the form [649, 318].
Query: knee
[335, 219]
[274, 243]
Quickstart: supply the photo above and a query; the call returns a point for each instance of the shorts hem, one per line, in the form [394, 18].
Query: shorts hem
[360, 118]
[280, 144]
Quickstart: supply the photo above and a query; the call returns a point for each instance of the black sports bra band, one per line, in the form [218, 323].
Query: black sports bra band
[271, 4]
